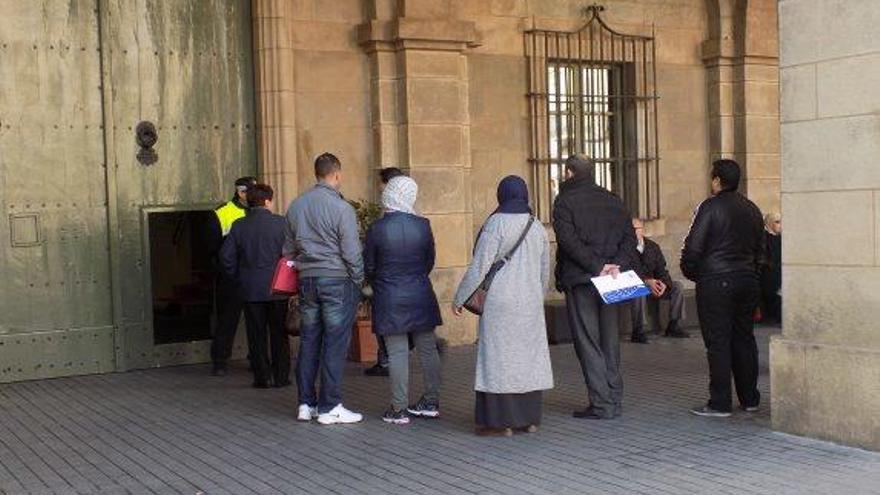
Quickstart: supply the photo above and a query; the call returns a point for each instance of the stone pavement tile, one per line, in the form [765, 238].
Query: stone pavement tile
[176, 430]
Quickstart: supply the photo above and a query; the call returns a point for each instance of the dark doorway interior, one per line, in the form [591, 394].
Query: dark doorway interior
[182, 276]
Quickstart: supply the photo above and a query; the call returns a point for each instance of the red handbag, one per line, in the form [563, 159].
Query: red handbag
[286, 278]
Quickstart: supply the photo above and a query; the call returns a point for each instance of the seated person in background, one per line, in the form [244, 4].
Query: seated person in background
[651, 267]
[771, 270]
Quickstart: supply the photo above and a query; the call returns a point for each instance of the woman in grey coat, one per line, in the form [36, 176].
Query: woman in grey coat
[513, 359]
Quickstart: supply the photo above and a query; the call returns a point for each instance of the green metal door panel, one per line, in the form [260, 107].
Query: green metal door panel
[186, 66]
[55, 309]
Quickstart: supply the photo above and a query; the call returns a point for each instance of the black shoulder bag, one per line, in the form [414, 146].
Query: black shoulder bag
[475, 302]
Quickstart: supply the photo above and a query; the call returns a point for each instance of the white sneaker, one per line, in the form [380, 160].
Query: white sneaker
[339, 415]
[306, 413]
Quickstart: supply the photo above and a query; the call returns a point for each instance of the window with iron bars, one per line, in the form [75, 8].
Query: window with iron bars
[593, 92]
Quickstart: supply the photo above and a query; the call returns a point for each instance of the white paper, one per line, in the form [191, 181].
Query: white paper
[624, 287]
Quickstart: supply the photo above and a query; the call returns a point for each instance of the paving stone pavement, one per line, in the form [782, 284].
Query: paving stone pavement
[177, 430]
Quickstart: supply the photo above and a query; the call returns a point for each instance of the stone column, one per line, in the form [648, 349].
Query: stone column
[742, 63]
[719, 55]
[276, 130]
[757, 104]
[825, 368]
[421, 124]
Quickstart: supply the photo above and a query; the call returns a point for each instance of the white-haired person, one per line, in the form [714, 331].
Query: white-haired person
[771, 270]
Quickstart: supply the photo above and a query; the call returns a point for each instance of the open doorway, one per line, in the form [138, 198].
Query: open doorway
[182, 276]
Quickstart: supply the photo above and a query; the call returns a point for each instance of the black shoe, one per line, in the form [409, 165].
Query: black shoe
[673, 331]
[751, 409]
[639, 338]
[590, 413]
[708, 412]
[376, 370]
[261, 385]
[219, 370]
[424, 409]
[396, 417]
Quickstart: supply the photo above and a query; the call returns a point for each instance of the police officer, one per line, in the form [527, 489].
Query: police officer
[228, 300]
[722, 254]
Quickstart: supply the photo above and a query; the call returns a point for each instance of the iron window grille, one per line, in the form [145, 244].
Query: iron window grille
[594, 91]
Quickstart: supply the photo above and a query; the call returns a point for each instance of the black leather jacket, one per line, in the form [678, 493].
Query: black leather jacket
[593, 228]
[726, 236]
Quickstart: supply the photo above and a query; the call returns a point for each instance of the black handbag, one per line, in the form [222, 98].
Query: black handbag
[475, 302]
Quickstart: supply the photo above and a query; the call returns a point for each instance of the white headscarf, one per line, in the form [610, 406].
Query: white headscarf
[400, 195]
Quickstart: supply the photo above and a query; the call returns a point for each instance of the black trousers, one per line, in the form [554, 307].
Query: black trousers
[597, 345]
[265, 327]
[229, 306]
[726, 307]
[771, 303]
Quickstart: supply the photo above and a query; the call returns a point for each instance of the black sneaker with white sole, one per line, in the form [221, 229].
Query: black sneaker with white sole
[396, 417]
[425, 409]
[708, 412]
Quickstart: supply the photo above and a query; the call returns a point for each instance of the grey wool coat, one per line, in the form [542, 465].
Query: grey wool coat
[513, 355]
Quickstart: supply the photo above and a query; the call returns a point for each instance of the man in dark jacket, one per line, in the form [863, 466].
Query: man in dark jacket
[722, 254]
[595, 237]
[249, 256]
[651, 267]
[229, 304]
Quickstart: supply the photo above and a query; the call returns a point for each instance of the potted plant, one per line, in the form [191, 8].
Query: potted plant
[364, 347]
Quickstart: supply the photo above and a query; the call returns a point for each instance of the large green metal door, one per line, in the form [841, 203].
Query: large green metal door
[185, 66]
[55, 296]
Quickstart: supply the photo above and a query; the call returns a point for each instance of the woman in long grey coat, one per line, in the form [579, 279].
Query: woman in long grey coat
[513, 359]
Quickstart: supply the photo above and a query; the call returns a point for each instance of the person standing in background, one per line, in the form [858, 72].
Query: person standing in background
[249, 256]
[322, 237]
[398, 259]
[513, 356]
[381, 366]
[228, 300]
[722, 253]
[595, 237]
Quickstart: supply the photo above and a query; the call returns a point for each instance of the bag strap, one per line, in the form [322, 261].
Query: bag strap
[519, 241]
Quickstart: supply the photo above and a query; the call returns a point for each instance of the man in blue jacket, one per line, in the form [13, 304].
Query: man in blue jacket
[249, 256]
[322, 235]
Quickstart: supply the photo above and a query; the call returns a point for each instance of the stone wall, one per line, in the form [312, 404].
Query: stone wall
[499, 113]
[332, 97]
[438, 87]
[825, 368]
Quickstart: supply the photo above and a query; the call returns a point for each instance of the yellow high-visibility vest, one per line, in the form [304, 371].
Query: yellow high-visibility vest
[227, 214]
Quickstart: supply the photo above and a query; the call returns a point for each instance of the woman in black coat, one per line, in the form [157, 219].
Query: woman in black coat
[398, 257]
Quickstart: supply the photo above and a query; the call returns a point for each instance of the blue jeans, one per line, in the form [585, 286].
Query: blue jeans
[327, 310]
